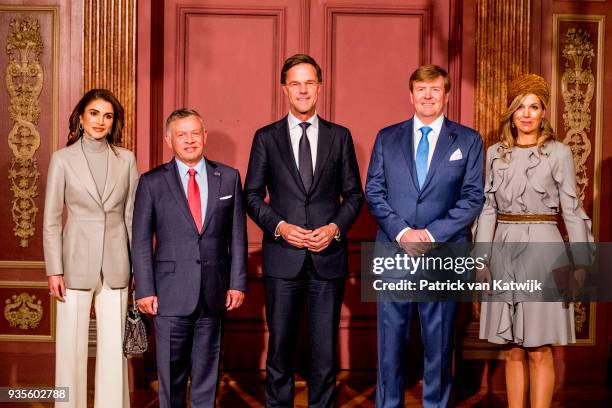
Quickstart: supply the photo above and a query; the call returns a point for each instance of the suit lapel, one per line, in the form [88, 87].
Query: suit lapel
[406, 139]
[176, 188]
[213, 178]
[284, 145]
[324, 144]
[445, 140]
[112, 173]
[81, 168]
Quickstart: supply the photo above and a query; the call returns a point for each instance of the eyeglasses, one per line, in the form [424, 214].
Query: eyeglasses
[295, 85]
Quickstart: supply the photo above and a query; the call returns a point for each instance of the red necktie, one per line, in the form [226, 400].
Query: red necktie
[193, 198]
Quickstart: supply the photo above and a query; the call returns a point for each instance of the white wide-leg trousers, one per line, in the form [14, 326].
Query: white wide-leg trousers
[72, 333]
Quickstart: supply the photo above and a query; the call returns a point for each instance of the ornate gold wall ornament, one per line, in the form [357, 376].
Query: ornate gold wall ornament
[577, 88]
[580, 316]
[23, 311]
[24, 82]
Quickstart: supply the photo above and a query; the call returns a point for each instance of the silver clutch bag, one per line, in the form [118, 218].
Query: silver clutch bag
[135, 335]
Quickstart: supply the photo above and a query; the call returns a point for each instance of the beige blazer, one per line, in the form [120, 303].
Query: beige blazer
[97, 234]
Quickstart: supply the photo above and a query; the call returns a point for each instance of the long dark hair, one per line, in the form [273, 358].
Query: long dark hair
[75, 131]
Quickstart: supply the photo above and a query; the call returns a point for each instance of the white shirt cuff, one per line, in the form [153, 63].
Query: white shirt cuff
[337, 236]
[399, 236]
[276, 234]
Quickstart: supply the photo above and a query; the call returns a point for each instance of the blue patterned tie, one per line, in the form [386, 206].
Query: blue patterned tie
[422, 154]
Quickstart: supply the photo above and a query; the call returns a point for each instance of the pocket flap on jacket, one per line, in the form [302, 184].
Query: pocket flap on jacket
[164, 266]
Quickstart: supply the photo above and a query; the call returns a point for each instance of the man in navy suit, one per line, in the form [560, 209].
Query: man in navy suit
[189, 251]
[307, 167]
[424, 184]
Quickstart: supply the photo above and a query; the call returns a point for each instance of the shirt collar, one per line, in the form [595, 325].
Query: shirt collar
[436, 125]
[184, 169]
[294, 122]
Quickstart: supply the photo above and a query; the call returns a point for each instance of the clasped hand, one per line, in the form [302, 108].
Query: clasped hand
[415, 242]
[314, 240]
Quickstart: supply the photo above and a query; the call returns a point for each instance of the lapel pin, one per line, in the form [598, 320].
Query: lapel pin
[216, 173]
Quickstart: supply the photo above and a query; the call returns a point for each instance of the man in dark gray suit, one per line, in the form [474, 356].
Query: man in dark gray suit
[196, 270]
[308, 169]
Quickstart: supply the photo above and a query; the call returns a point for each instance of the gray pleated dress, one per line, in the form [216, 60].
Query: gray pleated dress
[529, 183]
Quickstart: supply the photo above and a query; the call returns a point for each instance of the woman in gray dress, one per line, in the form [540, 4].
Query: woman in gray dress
[530, 179]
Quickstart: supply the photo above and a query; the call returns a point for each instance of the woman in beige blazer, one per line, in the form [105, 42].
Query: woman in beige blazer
[87, 257]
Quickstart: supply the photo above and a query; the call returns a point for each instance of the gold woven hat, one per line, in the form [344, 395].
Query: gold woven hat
[529, 84]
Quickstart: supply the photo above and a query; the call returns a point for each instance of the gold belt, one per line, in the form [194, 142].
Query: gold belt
[527, 217]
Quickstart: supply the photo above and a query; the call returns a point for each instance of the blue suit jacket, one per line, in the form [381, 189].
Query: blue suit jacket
[452, 194]
[185, 259]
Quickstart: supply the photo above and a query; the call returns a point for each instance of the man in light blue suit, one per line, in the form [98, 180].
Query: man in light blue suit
[424, 185]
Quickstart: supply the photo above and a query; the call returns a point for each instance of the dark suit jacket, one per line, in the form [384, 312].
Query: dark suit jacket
[452, 194]
[335, 196]
[184, 259]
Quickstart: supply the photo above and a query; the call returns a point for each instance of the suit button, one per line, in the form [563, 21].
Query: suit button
[307, 202]
[419, 201]
[198, 261]
[199, 238]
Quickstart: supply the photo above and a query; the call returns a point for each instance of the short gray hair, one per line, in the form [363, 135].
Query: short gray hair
[183, 113]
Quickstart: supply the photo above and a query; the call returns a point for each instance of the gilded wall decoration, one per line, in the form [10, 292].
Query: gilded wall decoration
[28, 312]
[24, 82]
[23, 311]
[580, 316]
[576, 112]
[577, 88]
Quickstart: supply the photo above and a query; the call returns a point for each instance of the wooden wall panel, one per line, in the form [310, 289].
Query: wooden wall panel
[547, 29]
[577, 99]
[502, 54]
[109, 55]
[224, 60]
[372, 95]
[22, 276]
[569, 27]
[214, 79]
[577, 112]
[28, 121]
[370, 54]
[367, 53]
